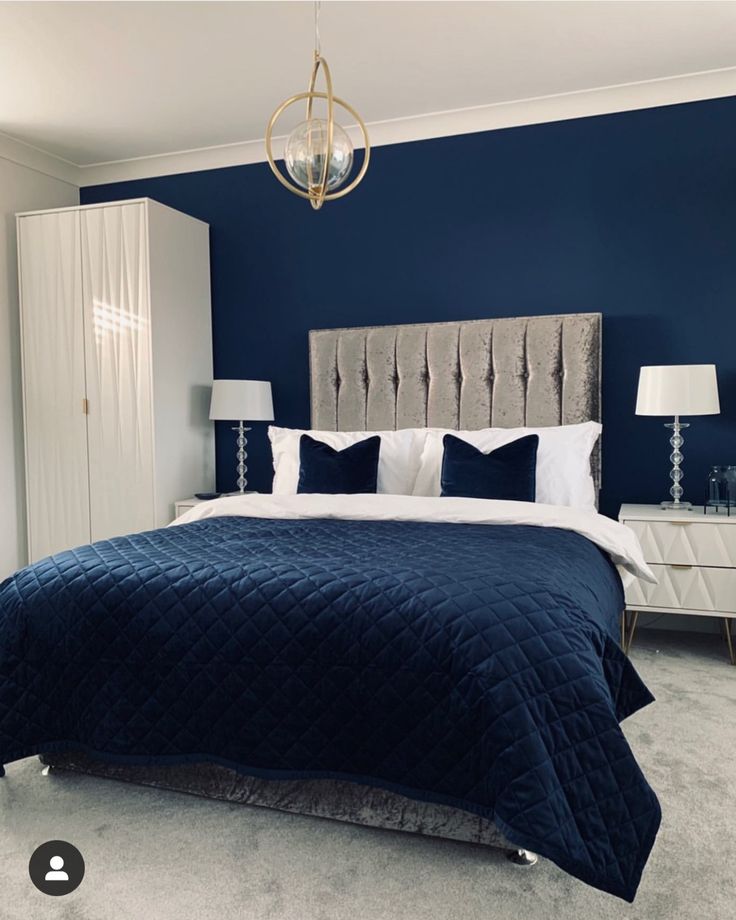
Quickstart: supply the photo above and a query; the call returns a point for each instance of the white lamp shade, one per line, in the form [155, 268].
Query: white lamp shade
[241, 400]
[678, 389]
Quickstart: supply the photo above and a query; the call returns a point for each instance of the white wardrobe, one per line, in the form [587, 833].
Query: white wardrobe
[117, 369]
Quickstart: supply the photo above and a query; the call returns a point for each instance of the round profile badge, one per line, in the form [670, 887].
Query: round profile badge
[56, 867]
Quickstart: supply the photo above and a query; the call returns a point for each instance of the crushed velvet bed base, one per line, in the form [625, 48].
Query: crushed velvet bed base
[322, 798]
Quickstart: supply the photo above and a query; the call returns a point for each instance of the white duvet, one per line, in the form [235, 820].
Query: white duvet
[613, 538]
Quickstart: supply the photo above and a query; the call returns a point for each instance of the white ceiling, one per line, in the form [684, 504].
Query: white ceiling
[102, 81]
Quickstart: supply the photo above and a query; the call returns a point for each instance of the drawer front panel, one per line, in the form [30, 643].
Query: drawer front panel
[687, 544]
[688, 587]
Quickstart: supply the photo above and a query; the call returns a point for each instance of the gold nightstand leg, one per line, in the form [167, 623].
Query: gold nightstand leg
[632, 629]
[726, 626]
[628, 627]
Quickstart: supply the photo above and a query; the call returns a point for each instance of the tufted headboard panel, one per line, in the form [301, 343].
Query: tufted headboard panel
[503, 373]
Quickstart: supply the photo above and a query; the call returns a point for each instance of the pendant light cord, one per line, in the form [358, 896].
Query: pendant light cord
[317, 37]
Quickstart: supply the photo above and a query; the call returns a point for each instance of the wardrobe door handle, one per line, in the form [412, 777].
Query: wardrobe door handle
[85, 406]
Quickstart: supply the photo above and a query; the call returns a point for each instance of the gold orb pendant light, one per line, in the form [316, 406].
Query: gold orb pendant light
[318, 154]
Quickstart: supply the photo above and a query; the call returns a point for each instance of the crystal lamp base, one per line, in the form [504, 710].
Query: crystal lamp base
[242, 456]
[676, 474]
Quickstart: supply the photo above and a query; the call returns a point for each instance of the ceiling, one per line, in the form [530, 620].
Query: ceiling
[104, 81]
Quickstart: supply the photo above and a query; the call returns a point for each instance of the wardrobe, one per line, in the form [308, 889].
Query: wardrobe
[116, 350]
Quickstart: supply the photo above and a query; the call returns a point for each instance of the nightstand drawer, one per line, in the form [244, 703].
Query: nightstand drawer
[689, 587]
[696, 543]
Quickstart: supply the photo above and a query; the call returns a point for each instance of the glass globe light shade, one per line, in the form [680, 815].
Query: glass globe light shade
[306, 149]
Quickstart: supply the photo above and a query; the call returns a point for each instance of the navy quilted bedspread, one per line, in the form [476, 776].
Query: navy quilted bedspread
[464, 664]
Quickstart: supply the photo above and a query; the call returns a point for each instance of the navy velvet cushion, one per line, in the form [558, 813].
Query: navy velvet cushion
[337, 472]
[507, 473]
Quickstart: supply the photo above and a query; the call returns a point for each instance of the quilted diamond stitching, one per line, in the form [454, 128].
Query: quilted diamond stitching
[463, 662]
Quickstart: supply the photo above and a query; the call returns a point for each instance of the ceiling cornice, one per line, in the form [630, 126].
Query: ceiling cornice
[563, 107]
[39, 160]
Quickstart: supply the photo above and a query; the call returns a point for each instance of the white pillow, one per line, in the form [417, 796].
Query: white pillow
[398, 460]
[563, 460]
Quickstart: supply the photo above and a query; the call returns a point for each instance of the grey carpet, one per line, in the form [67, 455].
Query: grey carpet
[154, 855]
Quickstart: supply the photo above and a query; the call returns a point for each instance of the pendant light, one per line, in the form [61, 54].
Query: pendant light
[318, 154]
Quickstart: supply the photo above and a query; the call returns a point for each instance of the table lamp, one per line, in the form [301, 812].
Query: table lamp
[239, 400]
[677, 389]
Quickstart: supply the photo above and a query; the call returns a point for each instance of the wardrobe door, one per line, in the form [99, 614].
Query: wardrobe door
[53, 382]
[118, 365]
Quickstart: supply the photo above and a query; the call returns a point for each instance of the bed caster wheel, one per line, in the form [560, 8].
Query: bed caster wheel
[46, 771]
[522, 857]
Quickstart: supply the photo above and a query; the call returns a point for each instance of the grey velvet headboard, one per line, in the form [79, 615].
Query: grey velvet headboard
[504, 373]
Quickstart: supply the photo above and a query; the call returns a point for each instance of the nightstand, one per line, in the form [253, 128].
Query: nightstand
[693, 556]
[184, 505]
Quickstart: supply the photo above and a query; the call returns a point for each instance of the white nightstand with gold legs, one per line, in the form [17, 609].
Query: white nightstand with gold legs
[693, 556]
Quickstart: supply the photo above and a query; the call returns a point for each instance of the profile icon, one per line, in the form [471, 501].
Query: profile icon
[56, 868]
[56, 872]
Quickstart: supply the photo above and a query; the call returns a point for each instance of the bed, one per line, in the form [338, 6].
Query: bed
[366, 711]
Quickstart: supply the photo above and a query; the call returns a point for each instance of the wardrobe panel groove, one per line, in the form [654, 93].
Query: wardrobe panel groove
[55, 424]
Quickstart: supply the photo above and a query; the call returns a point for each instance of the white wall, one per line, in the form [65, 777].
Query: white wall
[21, 189]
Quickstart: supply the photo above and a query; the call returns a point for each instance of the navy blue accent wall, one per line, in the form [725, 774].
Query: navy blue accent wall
[632, 215]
